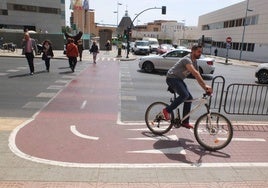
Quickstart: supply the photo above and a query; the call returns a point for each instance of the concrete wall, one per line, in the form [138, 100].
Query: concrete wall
[56, 39]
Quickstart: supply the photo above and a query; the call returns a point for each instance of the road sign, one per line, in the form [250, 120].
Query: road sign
[229, 39]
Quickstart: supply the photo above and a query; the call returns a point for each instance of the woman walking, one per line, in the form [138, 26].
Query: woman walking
[47, 53]
[94, 50]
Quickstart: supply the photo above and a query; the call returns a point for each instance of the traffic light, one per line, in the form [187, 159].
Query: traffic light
[129, 32]
[125, 34]
[164, 9]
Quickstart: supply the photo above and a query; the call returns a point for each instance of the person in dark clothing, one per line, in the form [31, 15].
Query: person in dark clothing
[94, 50]
[108, 45]
[47, 53]
[80, 48]
[216, 52]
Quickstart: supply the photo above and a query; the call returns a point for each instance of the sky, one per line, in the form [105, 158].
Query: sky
[186, 11]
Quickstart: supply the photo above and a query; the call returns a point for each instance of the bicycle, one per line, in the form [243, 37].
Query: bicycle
[212, 130]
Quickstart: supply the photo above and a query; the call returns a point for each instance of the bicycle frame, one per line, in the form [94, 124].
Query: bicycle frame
[202, 102]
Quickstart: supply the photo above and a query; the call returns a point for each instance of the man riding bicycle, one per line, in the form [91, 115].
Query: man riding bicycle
[175, 80]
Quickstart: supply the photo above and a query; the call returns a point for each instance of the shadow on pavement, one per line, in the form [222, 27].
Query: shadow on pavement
[188, 145]
[27, 74]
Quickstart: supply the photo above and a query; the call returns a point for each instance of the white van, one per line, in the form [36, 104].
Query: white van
[153, 43]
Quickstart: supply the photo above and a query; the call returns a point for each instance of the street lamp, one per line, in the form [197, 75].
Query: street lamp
[117, 12]
[244, 28]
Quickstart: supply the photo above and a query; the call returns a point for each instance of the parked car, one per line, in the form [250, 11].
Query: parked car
[262, 73]
[166, 61]
[141, 47]
[164, 48]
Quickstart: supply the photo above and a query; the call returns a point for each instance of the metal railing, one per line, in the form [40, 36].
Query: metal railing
[239, 99]
[246, 99]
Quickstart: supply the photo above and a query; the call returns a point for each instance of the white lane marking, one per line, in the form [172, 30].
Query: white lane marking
[3, 74]
[245, 139]
[56, 87]
[13, 70]
[168, 137]
[140, 129]
[129, 98]
[35, 105]
[83, 105]
[175, 150]
[46, 95]
[75, 132]
[62, 81]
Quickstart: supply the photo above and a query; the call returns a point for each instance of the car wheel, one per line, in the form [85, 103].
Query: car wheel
[263, 77]
[148, 67]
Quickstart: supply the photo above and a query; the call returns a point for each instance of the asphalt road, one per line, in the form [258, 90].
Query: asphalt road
[139, 89]
[23, 95]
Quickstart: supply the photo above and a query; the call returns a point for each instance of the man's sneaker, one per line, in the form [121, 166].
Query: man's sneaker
[187, 125]
[166, 114]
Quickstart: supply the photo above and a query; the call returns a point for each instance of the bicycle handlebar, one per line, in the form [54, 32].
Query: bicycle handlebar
[207, 94]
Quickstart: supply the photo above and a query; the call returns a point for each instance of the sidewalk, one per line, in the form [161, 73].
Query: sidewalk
[58, 54]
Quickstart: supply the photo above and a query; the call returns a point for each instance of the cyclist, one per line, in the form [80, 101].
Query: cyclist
[175, 77]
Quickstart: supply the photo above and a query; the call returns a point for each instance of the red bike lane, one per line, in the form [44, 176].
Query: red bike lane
[78, 128]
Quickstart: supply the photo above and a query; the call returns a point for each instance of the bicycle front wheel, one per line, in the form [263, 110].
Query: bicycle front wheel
[155, 120]
[213, 131]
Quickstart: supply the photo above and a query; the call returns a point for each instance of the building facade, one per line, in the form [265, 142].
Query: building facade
[246, 23]
[38, 15]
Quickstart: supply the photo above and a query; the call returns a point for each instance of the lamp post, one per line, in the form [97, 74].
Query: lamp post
[117, 12]
[244, 29]
[117, 40]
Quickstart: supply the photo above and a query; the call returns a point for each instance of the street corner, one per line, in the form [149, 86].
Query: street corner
[9, 123]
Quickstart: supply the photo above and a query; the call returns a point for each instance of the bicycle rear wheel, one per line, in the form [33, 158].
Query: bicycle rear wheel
[213, 131]
[155, 120]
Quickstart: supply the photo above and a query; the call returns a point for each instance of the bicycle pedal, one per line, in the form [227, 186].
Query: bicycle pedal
[177, 126]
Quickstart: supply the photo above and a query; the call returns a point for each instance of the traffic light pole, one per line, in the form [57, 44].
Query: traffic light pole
[132, 24]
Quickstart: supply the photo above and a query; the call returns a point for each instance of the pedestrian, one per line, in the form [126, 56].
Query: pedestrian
[94, 50]
[72, 53]
[216, 52]
[28, 49]
[80, 48]
[108, 46]
[47, 53]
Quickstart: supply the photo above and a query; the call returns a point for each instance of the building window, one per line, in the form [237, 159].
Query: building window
[251, 20]
[225, 25]
[231, 23]
[235, 45]
[238, 22]
[28, 8]
[3, 12]
[251, 47]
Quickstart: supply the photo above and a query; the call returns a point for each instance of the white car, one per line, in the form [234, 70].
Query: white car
[167, 60]
[141, 47]
[262, 73]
